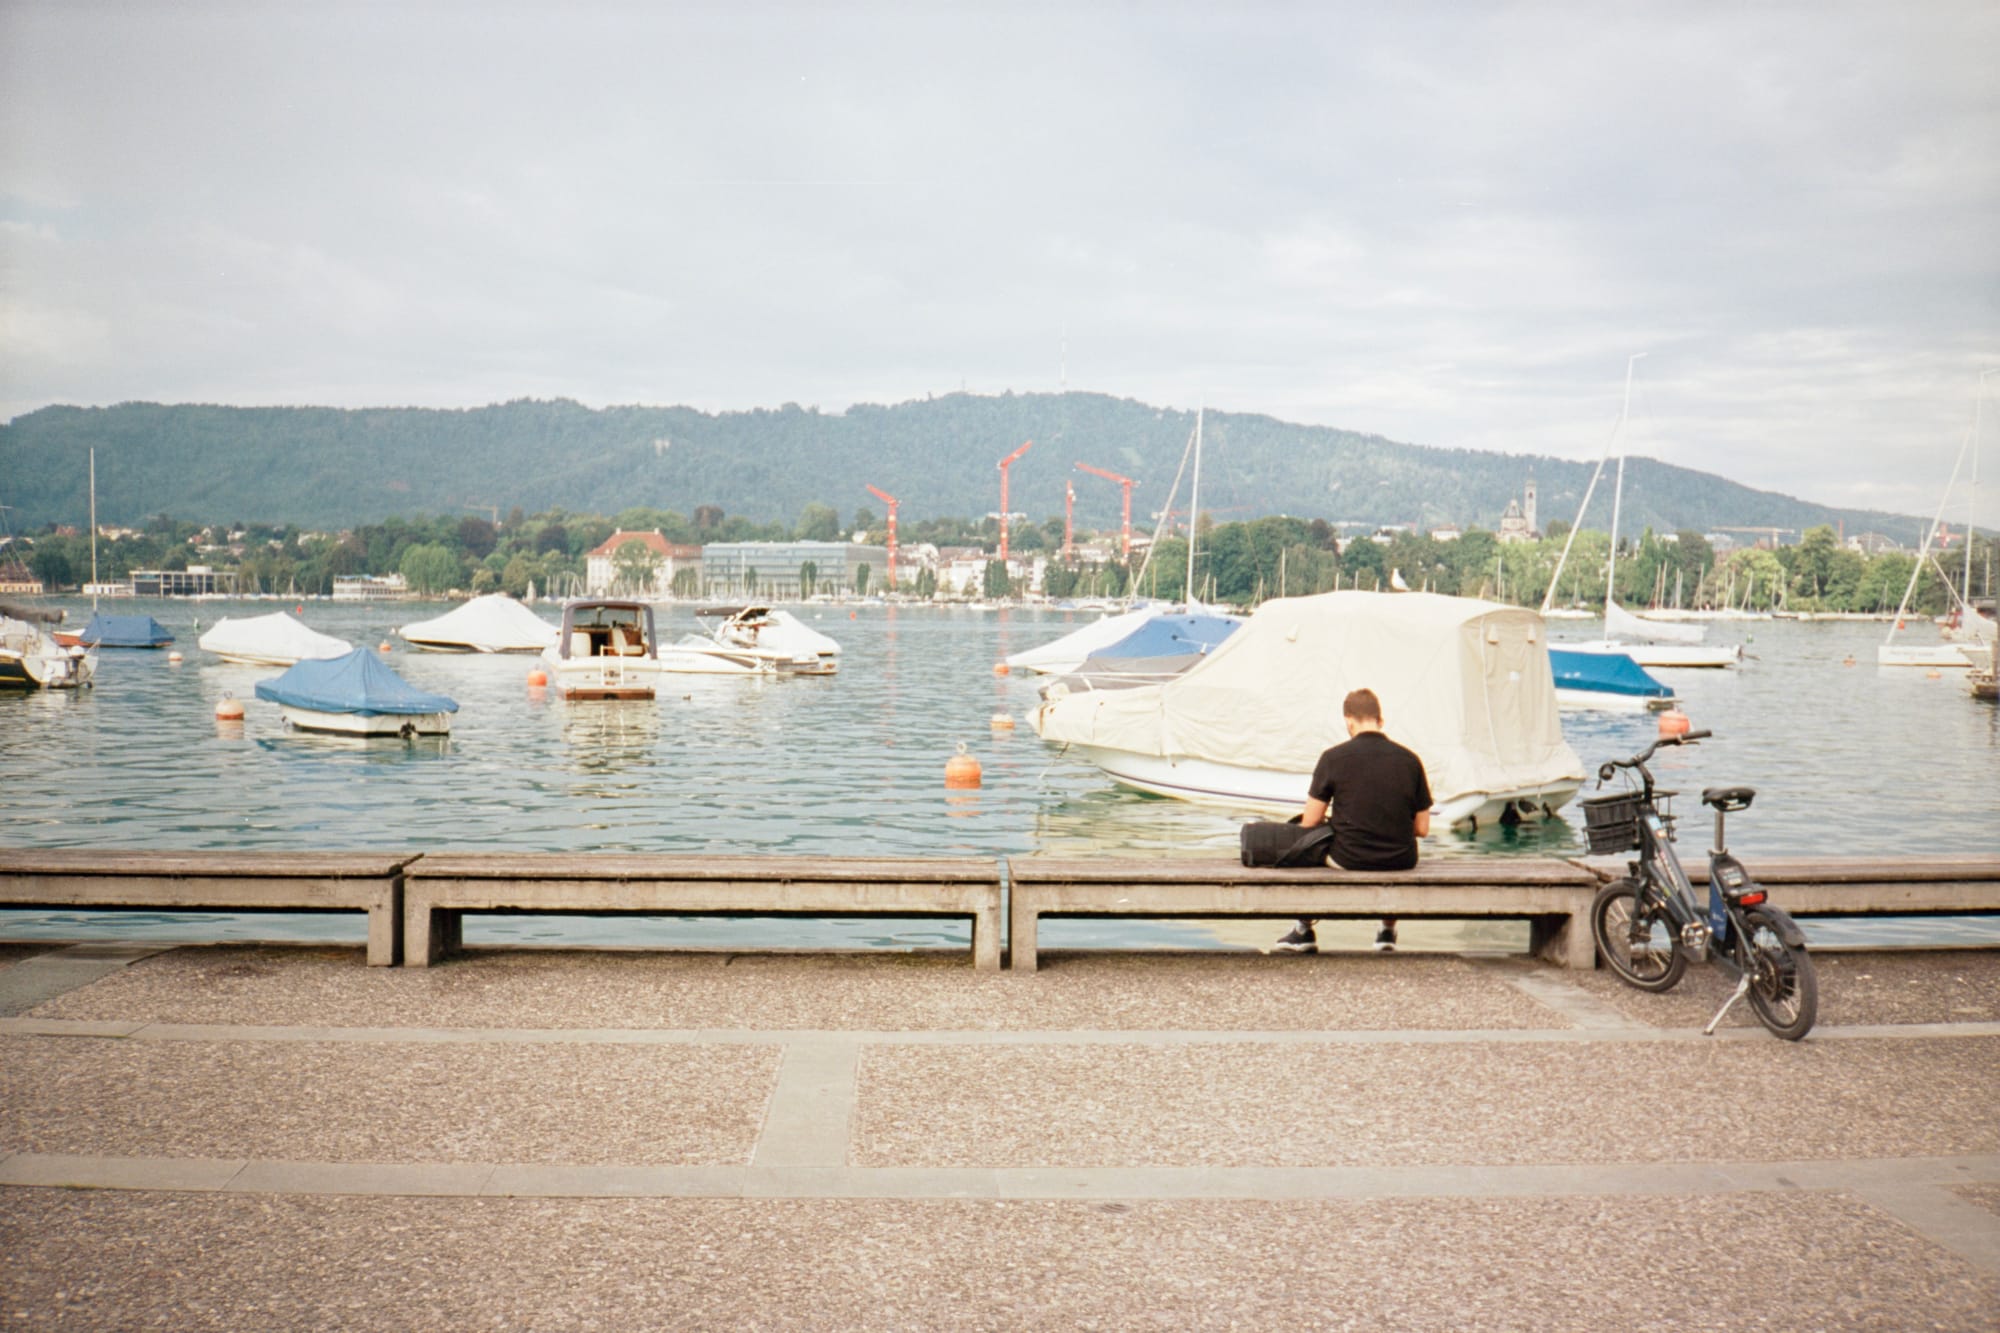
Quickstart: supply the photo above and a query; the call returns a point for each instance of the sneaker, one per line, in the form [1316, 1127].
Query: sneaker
[1300, 940]
[1385, 940]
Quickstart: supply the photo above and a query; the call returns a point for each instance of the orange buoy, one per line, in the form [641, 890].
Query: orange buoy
[299, 610]
[1001, 669]
[1848, 660]
[537, 679]
[1934, 675]
[385, 645]
[1002, 722]
[174, 658]
[851, 615]
[230, 709]
[1673, 722]
[961, 770]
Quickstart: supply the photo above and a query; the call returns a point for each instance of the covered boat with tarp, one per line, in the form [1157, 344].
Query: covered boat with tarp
[1607, 681]
[1464, 683]
[1071, 650]
[109, 631]
[1163, 646]
[356, 695]
[273, 640]
[495, 623]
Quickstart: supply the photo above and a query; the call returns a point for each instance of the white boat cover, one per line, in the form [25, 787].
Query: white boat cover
[1622, 624]
[1464, 683]
[276, 640]
[791, 636]
[495, 623]
[1074, 648]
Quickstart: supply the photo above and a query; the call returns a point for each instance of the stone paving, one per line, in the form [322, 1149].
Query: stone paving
[231, 1137]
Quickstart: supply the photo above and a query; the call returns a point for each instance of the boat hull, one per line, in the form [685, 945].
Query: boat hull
[1603, 701]
[367, 724]
[1265, 791]
[1663, 654]
[1951, 656]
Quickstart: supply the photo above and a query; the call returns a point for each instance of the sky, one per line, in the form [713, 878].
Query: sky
[1446, 224]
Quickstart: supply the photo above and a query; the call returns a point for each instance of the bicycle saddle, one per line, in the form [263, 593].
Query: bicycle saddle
[1728, 798]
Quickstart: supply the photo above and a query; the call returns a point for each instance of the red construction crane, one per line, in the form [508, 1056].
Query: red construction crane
[1006, 463]
[1127, 483]
[1069, 519]
[889, 500]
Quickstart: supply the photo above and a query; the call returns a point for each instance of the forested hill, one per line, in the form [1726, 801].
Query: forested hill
[329, 468]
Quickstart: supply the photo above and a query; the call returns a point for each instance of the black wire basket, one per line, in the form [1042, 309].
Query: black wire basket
[1611, 823]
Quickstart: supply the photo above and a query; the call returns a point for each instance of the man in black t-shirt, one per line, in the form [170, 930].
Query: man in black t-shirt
[1379, 805]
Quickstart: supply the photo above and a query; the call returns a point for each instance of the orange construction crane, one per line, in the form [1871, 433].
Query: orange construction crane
[1006, 463]
[1127, 483]
[889, 500]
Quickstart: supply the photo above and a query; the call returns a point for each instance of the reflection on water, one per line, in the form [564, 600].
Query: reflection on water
[1845, 758]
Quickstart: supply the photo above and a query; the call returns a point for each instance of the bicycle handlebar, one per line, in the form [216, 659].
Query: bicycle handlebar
[1638, 761]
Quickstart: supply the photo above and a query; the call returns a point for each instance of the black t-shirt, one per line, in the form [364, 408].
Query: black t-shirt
[1375, 788]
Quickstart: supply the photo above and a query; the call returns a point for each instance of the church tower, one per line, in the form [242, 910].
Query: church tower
[1528, 505]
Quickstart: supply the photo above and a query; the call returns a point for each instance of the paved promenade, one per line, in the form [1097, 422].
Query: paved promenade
[241, 1137]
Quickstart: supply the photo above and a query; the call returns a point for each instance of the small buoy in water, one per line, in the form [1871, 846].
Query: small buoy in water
[1001, 669]
[299, 610]
[173, 657]
[385, 645]
[230, 709]
[851, 615]
[961, 770]
[1002, 722]
[1933, 675]
[1848, 661]
[1673, 722]
[537, 679]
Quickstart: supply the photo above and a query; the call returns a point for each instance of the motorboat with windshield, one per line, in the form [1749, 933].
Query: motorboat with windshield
[607, 648]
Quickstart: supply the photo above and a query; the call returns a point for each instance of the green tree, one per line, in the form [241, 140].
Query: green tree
[51, 565]
[518, 574]
[926, 583]
[429, 568]
[808, 577]
[996, 582]
[818, 523]
[861, 573]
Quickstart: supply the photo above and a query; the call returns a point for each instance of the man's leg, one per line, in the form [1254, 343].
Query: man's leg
[1300, 940]
[1385, 938]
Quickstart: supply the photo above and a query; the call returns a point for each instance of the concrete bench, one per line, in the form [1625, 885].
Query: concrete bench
[442, 888]
[1858, 885]
[246, 881]
[1553, 896]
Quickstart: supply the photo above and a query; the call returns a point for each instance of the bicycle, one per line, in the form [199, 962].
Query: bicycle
[1649, 926]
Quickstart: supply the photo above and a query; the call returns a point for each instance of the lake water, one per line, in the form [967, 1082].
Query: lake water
[1846, 758]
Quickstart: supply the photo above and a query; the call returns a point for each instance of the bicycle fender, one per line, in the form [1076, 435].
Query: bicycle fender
[1781, 924]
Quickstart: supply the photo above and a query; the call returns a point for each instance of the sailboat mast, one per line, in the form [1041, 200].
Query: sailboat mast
[1618, 496]
[1972, 501]
[93, 529]
[1194, 506]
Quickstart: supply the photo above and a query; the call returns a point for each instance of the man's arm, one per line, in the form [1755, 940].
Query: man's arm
[1423, 823]
[1315, 813]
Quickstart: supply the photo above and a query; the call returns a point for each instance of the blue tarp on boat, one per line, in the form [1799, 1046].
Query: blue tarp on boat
[1604, 673]
[1173, 636]
[357, 682]
[125, 632]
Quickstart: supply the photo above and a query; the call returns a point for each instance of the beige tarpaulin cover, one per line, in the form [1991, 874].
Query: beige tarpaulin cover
[495, 623]
[1464, 683]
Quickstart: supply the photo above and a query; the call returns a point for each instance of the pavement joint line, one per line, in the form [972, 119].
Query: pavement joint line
[1573, 1002]
[220, 1032]
[1914, 1190]
[809, 1119]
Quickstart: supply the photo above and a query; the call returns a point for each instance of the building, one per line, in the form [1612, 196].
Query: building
[1518, 523]
[673, 568]
[194, 581]
[773, 569]
[370, 588]
[17, 577]
[1873, 543]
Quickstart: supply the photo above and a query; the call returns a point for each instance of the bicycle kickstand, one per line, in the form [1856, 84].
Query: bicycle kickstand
[1742, 989]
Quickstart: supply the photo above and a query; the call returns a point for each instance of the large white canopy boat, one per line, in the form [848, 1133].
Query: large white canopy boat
[495, 623]
[1464, 683]
[273, 640]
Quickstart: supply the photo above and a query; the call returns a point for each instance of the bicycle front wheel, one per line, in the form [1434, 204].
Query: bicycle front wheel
[1784, 989]
[1635, 936]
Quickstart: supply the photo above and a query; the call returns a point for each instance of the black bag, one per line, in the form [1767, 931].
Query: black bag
[1286, 846]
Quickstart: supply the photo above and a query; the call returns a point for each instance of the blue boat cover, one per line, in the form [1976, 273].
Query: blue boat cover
[1604, 673]
[357, 682]
[125, 632]
[1173, 636]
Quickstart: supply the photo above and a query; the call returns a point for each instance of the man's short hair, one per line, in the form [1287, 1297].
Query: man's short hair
[1362, 706]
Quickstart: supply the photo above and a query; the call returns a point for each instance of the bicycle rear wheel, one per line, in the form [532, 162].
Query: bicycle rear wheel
[1635, 937]
[1784, 988]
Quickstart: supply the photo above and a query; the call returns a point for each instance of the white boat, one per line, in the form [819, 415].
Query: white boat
[1066, 654]
[356, 695]
[700, 655]
[1650, 643]
[1464, 683]
[273, 640]
[495, 623]
[606, 649]
[788, 644]
[31, 659]
[1604, 682]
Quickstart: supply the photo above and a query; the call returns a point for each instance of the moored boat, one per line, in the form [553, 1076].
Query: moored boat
[109, 631]
[273, 640]
[356, 695]
[32, 660]
[606, 649]
[1607, 681]
[778, 638]
[1464, 683]
[495, 623]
